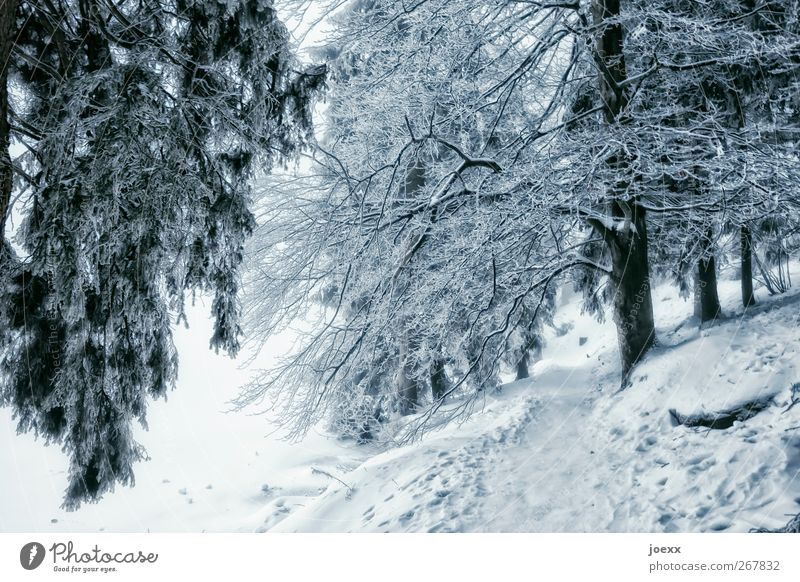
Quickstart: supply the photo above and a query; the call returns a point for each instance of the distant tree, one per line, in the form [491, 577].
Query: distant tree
[765, 97]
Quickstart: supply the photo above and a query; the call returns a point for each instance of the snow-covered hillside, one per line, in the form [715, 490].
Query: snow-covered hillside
[565, 451]
[209, 470]
[568, 451]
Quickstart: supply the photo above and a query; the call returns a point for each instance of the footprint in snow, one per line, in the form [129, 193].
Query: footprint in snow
[702, 511]
[697, 459]
[406, 516]
[646, 444]
[617, 432]
[703, 466]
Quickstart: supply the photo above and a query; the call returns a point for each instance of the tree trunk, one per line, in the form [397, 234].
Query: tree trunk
[407, 376]
[530, 356]
[748, 298]
[522, 368]
[633, 304]
[8, 10]
[706, 297]
[610, 58]
[438, 379]
[407, 382]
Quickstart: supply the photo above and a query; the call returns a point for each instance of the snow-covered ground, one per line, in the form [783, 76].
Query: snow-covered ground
[565, 451]
[209, 470]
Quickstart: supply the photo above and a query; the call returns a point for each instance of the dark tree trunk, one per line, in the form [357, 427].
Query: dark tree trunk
[627, 243]
[409, 395]
[438, 379]
[748, 298]
[610, 58]
[530, 356]
[522, 368]
[633, 303]
[706, 296]
[7, 29]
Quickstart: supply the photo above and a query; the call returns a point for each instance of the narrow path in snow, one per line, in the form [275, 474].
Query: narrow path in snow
[502, 473]
[529, 476]
[568, 451]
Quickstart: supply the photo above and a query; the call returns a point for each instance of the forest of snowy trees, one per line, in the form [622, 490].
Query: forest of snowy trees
[474, 156]
[466, 161]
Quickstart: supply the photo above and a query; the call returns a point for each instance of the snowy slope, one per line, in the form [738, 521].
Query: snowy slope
[567, 451]
[209, 470]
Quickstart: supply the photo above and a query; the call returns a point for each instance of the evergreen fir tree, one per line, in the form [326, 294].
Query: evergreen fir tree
[146, 122]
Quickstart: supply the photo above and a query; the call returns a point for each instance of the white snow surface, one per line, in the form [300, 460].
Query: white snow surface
[564, 451]
[569, 451]
[210, 470]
